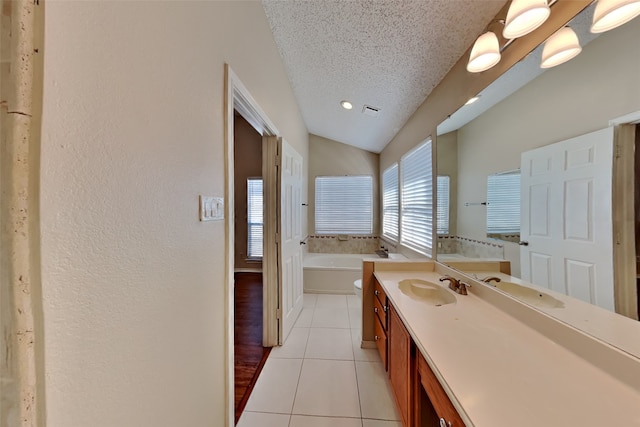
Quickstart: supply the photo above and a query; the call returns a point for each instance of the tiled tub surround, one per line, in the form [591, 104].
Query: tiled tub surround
[469, 248]
[343, 244]
[503, 363]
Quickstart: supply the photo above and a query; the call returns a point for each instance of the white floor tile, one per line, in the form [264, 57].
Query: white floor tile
[307, 421]
[331, 301]
[327, 387]
[363, 354]
[380, 423]
[305, 318]
[294, 346]
[355, 318]
[329, 343]
[309, 300]
[261, 419]
[376, 398]
[353, 301]
[276, 386]
[330, 318]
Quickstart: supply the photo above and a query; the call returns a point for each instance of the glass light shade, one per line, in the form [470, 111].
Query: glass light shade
[610, 14]
[560, 47]
[485, 53]
[346, 105]
[525, 16]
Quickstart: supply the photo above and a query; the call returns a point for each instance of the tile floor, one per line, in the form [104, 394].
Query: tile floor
[321, 377]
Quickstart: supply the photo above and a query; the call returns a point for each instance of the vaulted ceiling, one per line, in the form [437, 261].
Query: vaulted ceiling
[386, 54]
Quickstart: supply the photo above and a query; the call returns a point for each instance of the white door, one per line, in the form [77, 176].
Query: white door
[290, 235]
[566, 217]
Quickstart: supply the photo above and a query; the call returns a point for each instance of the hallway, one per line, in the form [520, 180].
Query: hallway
[321, 377]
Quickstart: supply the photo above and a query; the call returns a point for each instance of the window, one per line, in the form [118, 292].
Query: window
[344, 205]
[416, 206]
[503, 203]
[390, 203]
[254, 217]
[442, 209]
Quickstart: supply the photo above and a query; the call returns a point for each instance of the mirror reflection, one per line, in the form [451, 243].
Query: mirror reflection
[556, 127]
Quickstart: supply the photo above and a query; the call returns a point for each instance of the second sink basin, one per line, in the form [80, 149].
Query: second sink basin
[427, 292]
[529, 295]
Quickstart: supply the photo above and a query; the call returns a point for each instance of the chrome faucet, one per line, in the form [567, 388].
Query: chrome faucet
[490, 279]
[455, 285]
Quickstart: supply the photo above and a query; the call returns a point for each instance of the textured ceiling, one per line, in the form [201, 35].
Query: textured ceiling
[388, 54]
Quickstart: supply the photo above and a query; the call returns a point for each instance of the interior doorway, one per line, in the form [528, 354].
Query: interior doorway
[249, 353]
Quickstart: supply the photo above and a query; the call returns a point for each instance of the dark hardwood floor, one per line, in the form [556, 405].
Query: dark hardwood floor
[249, 355]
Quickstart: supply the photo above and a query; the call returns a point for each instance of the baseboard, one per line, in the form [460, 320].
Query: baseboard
[247, 270]
[328, 291]
[368, 344]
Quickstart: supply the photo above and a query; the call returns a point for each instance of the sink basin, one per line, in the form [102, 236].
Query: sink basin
[529, 295]
[427, 292]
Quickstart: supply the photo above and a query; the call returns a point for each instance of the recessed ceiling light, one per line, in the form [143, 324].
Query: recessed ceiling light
[346, 105]
[472, 100]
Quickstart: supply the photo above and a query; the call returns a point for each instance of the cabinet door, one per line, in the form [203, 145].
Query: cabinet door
[400, 368]
[438, 397]
[381, 341]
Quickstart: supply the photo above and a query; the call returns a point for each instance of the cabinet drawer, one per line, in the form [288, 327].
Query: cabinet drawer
[438, 397]
[380, 336]
[381, 312]
[379, 293]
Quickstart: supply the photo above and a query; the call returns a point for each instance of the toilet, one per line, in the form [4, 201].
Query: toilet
[357, 288]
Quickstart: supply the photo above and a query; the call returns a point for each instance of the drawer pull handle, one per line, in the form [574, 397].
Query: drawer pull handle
[375, 309]
[444, 423]
[385, 308]
[377, 292]
[376, 338]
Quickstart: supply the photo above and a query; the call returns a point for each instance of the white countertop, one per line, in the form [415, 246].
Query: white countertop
[612, 328]
[500, 372]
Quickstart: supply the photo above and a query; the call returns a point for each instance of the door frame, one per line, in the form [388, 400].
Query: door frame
[624, 249]
[237, 97]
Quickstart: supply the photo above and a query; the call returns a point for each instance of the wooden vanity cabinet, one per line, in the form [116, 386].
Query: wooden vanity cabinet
[419, 397]
[401, 366]
[380, 307]
[436, 409]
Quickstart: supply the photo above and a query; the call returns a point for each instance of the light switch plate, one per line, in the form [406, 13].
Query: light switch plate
[211, 208]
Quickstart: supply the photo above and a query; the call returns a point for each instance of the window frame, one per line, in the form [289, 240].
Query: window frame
[250, 225]
[324, 224]
[443, 211]
[413, 235]
[391, 209]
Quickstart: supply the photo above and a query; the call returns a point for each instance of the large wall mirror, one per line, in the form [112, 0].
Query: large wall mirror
[514, 128]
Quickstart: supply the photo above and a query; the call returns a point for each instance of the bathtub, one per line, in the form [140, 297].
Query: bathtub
[333, 273]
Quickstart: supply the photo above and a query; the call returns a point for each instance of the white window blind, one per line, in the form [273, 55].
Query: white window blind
[344, 205]
[390, 203]
[503, 203]
[442, 210]
[254, 217]
[416, 206]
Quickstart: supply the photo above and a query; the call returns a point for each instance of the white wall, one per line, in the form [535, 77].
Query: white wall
[133, 131]
[578, 97]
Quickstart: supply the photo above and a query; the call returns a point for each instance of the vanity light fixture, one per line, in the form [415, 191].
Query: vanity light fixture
[472, 100]
[485, 53]
[560, 47]
[610, 14]
[346, 105]
[525, 16]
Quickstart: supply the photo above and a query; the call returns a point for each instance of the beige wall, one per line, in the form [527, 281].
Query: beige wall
[248, 164]
[579, 97]
[133, 132]
[332, 158]
[447, 164]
